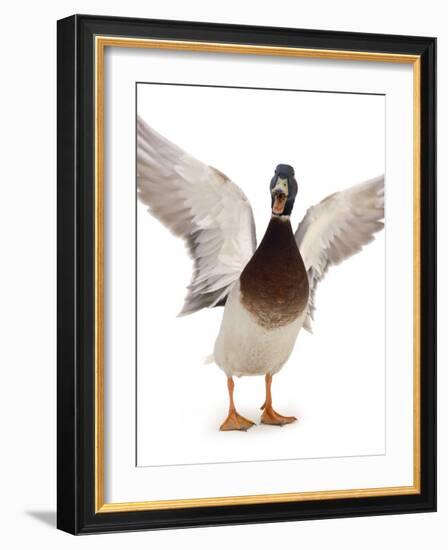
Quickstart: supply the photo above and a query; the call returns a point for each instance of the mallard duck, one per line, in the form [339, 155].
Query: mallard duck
[267, 291]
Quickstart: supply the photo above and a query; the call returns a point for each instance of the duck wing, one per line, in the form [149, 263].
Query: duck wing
[338, 227]
[201, 205]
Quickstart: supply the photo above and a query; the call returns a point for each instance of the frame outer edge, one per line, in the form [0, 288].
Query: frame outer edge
[433, 113]
[67, 454]
[429, 270]
[76, 512]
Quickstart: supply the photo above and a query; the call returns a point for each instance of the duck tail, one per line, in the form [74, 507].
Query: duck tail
[209, 359]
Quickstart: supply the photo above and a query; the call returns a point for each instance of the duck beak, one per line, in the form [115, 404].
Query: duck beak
[279, 202]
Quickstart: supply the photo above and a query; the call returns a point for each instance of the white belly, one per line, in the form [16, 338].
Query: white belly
[245, 348]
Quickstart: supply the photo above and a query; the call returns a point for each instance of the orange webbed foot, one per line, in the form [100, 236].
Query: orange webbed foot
[273, 418]
[235, 421]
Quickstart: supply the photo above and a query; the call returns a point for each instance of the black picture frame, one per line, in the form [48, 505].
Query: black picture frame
[76, 225]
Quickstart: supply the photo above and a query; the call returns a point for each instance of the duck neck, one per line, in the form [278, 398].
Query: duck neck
[279, 226]
[278, 236]
[282, 217]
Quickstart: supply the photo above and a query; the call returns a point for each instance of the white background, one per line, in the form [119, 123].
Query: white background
[27, 218]
[335, 388]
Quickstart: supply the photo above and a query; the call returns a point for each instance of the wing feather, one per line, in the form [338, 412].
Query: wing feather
[338, 227]
[201, 205]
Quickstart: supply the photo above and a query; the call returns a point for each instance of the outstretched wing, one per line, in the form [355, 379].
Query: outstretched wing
[201, 205]
[338, 227]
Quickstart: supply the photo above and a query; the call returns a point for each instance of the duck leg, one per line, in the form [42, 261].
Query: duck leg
[234, 421]
[270, 416]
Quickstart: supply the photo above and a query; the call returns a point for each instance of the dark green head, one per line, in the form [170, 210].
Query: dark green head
[283, 190]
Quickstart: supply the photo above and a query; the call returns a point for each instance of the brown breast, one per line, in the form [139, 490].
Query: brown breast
[274, 284]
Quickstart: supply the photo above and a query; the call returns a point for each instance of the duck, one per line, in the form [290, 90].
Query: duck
[267, 291]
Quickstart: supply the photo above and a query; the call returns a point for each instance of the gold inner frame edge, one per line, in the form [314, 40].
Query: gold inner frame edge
[101, 42]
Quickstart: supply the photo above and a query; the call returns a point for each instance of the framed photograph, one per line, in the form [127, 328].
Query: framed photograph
[246, 274]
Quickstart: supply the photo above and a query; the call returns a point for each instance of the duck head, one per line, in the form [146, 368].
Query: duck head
[283, 190]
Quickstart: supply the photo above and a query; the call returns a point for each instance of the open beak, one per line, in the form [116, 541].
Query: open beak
[279, 202]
